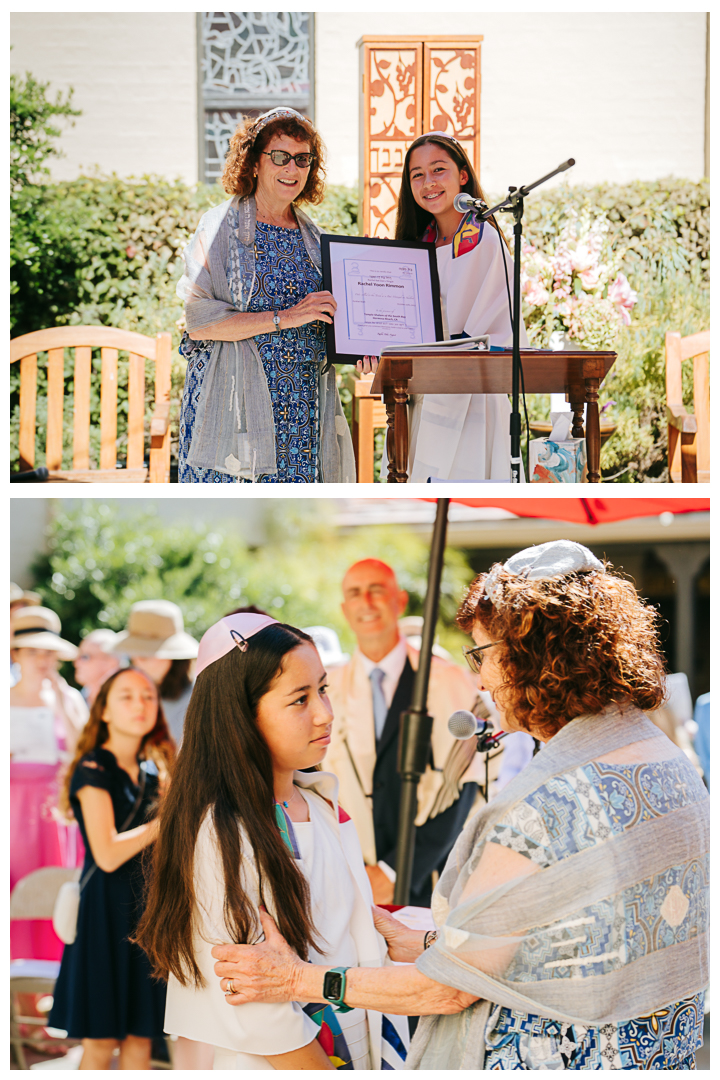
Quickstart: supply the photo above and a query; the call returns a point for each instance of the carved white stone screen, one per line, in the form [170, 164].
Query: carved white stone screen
[250, 62]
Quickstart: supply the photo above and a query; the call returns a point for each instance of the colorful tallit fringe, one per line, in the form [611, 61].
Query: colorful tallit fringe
[330, 1037]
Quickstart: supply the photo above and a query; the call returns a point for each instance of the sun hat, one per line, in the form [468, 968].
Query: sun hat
[17, 594]
[39, 628]
[555, 559]
[104, 639]
[232, 631]
[156, 628]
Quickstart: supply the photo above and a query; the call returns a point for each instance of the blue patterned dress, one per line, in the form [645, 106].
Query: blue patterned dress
[563, 816]
[291, 358]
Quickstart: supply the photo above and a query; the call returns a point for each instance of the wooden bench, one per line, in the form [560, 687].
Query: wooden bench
[688, 433]
[83, 339]
[368, 413]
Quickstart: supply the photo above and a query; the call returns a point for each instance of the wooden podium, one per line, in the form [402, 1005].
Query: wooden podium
[576, 374]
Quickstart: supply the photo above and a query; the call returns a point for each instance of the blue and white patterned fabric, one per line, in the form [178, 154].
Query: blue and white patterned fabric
[571, 812]
[291, 359]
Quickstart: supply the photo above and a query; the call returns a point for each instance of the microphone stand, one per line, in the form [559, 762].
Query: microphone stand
[487, 741]
[514, 205]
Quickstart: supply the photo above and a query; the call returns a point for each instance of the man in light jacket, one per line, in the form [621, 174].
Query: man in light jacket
[368, 694]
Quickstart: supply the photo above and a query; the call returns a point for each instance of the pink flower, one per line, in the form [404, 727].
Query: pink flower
[621, 294]
[536, 294]
[583, 258]
[590, 278]
[561, 263]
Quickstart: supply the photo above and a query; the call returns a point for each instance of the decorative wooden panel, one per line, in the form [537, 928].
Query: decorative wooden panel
[411, 86]
[392, 82]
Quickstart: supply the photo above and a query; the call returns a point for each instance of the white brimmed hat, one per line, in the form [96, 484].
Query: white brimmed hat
[28, 598]
[156, 628]
[39, 628]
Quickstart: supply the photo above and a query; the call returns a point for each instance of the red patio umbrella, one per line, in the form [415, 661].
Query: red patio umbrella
[589, 511]
[416, 724]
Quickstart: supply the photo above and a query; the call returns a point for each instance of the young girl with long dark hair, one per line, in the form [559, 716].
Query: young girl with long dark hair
[243, 829]
[457, 436]
[105, 993]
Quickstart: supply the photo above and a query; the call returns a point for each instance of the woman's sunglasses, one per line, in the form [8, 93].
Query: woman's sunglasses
[475, 655]
[281, 157]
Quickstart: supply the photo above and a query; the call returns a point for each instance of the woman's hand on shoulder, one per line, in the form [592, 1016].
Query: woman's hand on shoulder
[404, 945]
[315, 307]
[368, 364]
[269, 971]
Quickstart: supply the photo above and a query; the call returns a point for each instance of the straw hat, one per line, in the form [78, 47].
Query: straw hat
[155, 628]
[39, 628]
[28, 598]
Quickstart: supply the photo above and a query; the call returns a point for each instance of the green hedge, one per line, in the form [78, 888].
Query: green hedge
[663, 227]
[107, 250]
[664, 224]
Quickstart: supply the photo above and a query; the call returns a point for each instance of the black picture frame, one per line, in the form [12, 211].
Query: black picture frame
[339, 293]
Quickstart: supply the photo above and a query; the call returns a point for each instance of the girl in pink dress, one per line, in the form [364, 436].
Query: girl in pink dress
[46, 716]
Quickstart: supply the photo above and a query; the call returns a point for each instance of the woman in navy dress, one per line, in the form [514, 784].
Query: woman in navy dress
[105, 993]
[254, 297]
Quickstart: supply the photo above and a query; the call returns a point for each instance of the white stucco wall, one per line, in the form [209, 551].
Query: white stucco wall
[135, 79]
[624, 94]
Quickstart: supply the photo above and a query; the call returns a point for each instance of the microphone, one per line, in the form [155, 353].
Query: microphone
[465, 725]
[464, 202]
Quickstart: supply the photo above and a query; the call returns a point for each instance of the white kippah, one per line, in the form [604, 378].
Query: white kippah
[557, 558]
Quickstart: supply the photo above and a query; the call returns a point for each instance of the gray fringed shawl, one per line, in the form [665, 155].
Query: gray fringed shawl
[234, 431]
[617, 930]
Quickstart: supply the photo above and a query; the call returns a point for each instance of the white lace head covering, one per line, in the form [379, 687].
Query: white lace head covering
[556, 559]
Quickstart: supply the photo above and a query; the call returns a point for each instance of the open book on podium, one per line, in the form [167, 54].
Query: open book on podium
[482, 342]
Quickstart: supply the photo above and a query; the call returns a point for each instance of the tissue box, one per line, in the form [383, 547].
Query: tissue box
[558, 462]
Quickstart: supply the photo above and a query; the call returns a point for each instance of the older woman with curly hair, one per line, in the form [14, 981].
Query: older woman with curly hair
[573, 909]
[260, 403]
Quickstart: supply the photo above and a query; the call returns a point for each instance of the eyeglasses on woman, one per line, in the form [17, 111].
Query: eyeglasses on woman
[282, 157]
[475, 655]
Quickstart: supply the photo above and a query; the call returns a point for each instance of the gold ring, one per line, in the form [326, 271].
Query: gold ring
[230, 987]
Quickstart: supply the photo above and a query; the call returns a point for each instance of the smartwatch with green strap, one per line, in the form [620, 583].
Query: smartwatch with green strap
[334, 986]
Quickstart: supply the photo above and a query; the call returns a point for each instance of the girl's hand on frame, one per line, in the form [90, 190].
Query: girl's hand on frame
[368, 364]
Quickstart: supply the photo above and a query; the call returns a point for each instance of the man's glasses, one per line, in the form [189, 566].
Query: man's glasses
[281, 157]
[475, 655]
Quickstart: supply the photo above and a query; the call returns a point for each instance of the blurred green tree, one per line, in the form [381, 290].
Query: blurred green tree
[102, 558]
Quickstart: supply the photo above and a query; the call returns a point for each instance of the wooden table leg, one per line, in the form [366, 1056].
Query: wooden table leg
[401, 432]
[578, 410]
[592, 387]
[389, 401]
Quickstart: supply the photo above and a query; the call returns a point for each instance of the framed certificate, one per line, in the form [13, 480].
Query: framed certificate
[387, 293]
